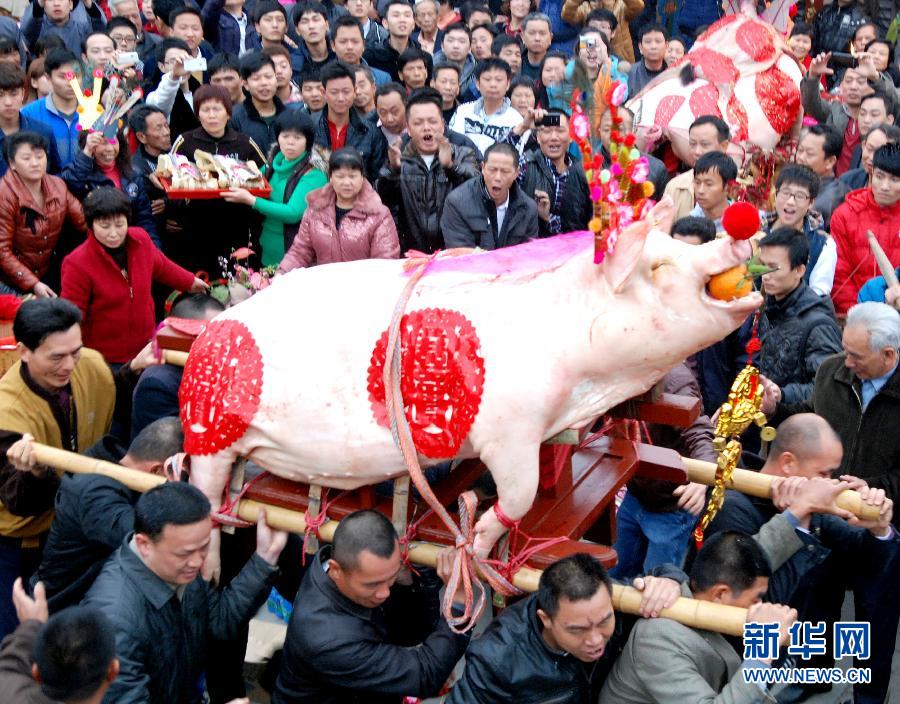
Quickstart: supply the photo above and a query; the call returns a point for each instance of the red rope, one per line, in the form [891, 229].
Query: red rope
[314, 523]
[224, 515]
[412, 529]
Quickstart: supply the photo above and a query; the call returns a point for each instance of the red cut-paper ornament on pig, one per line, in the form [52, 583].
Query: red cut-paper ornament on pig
[756, 40]
[778, 97]
[741, 220]
[738, 117]
[716, 26]
[716, 67]
[221, 387]
[704, 101]
[186, 326]
[666, 109]
[441, 379]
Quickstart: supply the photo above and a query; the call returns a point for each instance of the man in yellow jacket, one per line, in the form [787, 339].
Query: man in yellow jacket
[58, 394]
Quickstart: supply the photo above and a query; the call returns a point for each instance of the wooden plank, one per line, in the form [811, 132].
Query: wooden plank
[668, 409]
[661, 463]
[169, 339]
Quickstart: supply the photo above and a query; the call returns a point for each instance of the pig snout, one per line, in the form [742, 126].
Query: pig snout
[721, 255]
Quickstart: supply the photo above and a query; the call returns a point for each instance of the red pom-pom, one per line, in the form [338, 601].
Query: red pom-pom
[615, 137]
[754, 345]
[9, 306]
[629, 140]
[741, 220]
[87, 93]
[792, 11]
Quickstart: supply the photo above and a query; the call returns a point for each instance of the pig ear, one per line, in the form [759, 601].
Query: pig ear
[619, 265]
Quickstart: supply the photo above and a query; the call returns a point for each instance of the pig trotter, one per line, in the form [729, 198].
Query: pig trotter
[488, 530]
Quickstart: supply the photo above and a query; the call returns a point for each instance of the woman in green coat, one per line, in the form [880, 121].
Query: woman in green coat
[291, 174]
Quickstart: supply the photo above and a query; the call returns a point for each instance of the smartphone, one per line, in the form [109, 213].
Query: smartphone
[551, 120]
[844, 60]
[127, 58]
[195, 64]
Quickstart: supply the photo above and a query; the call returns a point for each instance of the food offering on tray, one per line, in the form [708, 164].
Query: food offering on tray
[208, 176]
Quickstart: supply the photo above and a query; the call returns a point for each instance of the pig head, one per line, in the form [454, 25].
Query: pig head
[500, 351]
[740, 70]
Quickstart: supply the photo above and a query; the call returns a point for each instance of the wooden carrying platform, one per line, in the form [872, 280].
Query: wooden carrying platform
[579, 505]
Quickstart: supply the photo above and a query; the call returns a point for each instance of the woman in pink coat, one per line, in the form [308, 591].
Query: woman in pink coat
[345, 220]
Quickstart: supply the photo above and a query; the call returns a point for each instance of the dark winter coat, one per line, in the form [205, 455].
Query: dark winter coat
[222, 30]
[798, 334]
[161, 641]
[246, 120]
[362, 135]
[470, 218]
[381, 55]
[82, 176]
[577, 207]
[834, 27]
[416, 193]
[338, 652]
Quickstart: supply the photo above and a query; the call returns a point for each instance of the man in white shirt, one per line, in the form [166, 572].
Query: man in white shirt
[490, 118]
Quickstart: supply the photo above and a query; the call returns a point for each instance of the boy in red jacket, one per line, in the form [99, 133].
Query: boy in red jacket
[875, 208]
[109, 277]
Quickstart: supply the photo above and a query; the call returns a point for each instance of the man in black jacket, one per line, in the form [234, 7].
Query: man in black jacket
[355, 618]
[492, 211]
[162, 609]
[422, 170]
[799, 330]
[94, 513]
[558, 644]
[255, 117]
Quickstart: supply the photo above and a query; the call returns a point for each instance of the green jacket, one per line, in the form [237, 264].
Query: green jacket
[291, 182]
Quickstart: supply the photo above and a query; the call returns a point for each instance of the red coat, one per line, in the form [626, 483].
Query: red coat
[857, 214]
[118, 312]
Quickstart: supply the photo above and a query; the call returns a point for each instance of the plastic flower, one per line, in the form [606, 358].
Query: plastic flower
[618, 93]
[640, 170]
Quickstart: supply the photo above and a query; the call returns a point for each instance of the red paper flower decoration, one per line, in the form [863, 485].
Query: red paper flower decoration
[9, 306]
[741, 220]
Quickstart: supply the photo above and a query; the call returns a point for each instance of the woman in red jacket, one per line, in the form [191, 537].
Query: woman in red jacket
[345, 220]
[109, 278]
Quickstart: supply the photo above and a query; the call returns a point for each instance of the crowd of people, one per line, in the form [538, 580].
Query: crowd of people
[384, 128]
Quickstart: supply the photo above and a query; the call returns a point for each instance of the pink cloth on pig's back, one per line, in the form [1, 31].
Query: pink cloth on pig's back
[530, 258]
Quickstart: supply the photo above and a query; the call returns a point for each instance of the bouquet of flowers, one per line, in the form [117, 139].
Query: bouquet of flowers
[240, 281]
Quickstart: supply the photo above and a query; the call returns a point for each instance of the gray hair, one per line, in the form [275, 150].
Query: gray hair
[113, 4]
[535, 16]
[881, 322]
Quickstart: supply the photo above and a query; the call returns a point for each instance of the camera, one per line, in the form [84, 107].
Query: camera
[551, 120]
[588, 42]
[844, 60]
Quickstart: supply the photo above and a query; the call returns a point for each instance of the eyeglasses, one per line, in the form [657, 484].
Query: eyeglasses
[799, 198]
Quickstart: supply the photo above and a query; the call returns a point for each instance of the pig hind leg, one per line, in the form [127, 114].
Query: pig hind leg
[210, 474]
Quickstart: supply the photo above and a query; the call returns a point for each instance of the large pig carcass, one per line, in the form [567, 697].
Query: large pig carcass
[740, 70]
[500, 351]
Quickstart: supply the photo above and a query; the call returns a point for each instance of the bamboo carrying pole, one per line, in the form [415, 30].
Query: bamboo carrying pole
[693, 613]
[757, 484]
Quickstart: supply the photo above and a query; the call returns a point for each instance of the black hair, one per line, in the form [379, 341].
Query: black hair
[223, 62]
[601, 14]
[264, 7]
[521, 81]
[577, 577]
[537, 16]
[489, 28]
[158, 441]
[11, 76]
[388, 88]
[691, 226]
[887, 158]
[19, 139]
[123, 158]
[799, 175]
[59, 57]
[719, 162]
[137, 118]
[880, 94]
[195, 306]
[334, 70]
[105, 202]
[346, 158]
[892, 132]
[170, 43]
[172, 503]
[793, 240]
[887, 44]
[425, 96]
[470, 8]
[458, 27]
[502, 148]
[164, 8]
[310, 74]
[46, 43]
[411, 54]
[346, 21]
[296, 121]
[253, 62]
[39, 318]
[866, 23]
[442, 65]
[365, 530]
[183, 10]
[73, 652]
[504, 40]
[95, 34]
[833, 142]
[391, 3]
[301, 8]
[493, 63]
[802, 29]
[552, 54]
[721, 126]
[730, 558]
[122, 23]
[650, 29]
